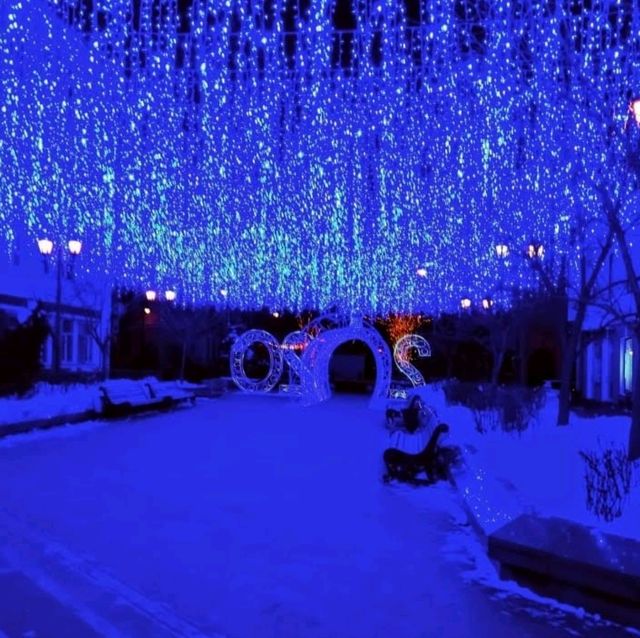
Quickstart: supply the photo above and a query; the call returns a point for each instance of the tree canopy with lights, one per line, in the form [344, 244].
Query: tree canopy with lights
[293, 155]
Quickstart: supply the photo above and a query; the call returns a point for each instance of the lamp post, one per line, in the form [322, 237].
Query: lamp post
[502, 250]
[45, 246]
[224, 292]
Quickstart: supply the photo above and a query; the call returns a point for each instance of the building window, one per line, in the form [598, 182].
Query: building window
[627, 365]
[85, 343]
[66, 340]
[596, 370]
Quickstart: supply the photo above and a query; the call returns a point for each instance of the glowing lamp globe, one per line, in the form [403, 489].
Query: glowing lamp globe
[634, 108]
[535, 251]
[502, 250]
[75, 246]
[45, 246]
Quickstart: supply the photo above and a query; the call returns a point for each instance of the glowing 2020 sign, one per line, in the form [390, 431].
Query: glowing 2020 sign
[293, 343]
[237, 356]
[401, 356]
[309, 373]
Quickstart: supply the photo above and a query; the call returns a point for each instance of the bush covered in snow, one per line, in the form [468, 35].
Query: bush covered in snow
[608, 477]
[510, 408]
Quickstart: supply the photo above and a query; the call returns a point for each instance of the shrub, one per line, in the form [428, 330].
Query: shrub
[608, 476]
[20, 353]
[510, 408]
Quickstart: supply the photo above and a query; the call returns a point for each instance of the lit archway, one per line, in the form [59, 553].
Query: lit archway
[318, 354]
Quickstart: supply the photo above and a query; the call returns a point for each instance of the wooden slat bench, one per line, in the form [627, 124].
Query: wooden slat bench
[123, 397]
[572, 562]
[168, 393]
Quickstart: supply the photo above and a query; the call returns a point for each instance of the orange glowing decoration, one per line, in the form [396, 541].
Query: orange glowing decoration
[399, 325]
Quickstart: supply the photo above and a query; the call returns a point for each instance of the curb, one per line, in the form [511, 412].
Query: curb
[23, 427]
[563, 589]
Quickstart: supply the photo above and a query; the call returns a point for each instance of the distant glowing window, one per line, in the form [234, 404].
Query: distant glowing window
[627, 365]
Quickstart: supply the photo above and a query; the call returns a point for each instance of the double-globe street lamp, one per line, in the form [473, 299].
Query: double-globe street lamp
[534, 252]
[45, 246]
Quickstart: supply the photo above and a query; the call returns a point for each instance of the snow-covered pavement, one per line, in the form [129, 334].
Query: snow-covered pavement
[249, 517]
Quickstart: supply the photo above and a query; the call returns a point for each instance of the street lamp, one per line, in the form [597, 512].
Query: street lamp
[224, 292]
[169, 295]
[535, 251]
[634, 109]
[45, 246]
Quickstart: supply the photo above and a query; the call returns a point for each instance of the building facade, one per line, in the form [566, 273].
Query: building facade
[65, 292]
[605, 364]
[605, 369]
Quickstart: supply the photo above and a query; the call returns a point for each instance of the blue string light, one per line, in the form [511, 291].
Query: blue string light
[380, 166]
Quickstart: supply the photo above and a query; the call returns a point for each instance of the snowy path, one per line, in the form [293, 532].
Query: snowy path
[249, 517]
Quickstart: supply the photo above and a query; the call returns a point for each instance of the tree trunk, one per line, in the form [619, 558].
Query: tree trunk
[634, 433]
[183, 360]
[499, 352]
[564, 397]
[498, 358]
[522, 360]
[568, 359]
[570, 350]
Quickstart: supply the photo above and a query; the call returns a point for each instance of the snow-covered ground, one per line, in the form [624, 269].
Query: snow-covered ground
[539, 470]
[254, 516]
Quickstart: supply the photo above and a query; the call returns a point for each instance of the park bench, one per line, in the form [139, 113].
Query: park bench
[169, 394]
[123, 397]
[573, 563]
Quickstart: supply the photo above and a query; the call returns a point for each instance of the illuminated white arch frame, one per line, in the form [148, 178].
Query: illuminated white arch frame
[291, 344]
[276, 361]
[317, 356]
[310, 373]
